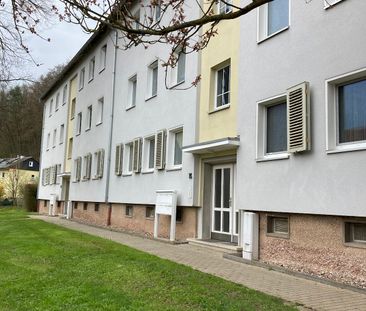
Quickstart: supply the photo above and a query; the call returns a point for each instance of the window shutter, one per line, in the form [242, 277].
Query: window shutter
[54, 174]
[117, 165]
[160, 150]
[78, 169]
[88, 166]
[44, 177]
[298, 118]
[137, 155]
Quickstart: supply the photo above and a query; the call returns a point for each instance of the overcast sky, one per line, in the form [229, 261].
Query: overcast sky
[66, 40]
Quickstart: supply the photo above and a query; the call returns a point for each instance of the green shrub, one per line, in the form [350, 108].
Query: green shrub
[30, 197]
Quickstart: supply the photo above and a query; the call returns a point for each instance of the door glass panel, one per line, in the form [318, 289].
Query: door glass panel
[217, 220]
[236, 222]
[226, 222]
[218, 188]
[226, 203]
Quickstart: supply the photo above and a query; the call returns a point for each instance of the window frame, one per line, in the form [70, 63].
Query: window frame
[82, 79]
[347, 240]
[225, 6]
[262, 23]
[150, 79]
[170, 150]
[175, 70]
[328, 5]
[216, 70]
[128, 208]
[100, 111]
[102, 58]
[57, 101]
[146, 148]
[79, 123]
[150, 212]
[332, 112]
[127, 159]
[269, 224]
[89, 117]
[91, 72]
[131, 99]
[64, 95]
[54, 138]
[261, 130]
[62, 134]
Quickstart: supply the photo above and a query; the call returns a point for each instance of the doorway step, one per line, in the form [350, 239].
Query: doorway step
[225, 247]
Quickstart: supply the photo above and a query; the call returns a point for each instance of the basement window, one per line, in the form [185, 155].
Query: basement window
[129, 211]
[75, 205]
[96, 207]
[179, 214]
[85, 206]
[150, 212]
[355, 232]
[278, 226]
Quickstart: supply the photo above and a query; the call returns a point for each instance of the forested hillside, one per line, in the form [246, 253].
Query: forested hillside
[21, 114]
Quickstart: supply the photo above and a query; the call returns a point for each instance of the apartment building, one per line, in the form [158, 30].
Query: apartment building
[123, 136]
[266, 153]
[301, 121]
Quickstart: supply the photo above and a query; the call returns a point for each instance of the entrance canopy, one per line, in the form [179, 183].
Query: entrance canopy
[212, 146]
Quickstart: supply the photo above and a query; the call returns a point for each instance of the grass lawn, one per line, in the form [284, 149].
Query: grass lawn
[46, 267]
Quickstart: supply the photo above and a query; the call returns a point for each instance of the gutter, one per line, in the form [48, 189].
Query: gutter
[111, 127]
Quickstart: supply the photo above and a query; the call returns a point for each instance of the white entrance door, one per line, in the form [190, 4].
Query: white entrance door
[224, 220]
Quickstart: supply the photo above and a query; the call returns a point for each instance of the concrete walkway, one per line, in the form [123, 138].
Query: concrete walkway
[307, 293]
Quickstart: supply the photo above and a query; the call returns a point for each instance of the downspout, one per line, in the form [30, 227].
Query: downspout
[40, 156]
[111, 131]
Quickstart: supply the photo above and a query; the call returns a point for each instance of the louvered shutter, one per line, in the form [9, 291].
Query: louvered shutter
[100, 163]
[160, 150]
[137, 155]
[88, 170]
[280, 225]
[48, 176]
[117, 165]
[78, 169]
[55, 174]
[298, 118]
[44, 177]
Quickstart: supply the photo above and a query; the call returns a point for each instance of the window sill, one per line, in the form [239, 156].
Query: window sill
[61, 143]
[127, 174]
[77, 134]
[150, 218]
[273, 157]
[90, 80]
[150, 97]
[273, 35]
[174, 168]
[224, 107]
[99, 123]
[96, 178]
[176, 84]
[101, 70]
[53, 147]
[85, 179]
[355, 244]
[128, 216]
[329, 6]
[278, 235]
[347, 148]
[80, 89]
[148, 171]
[88, 129]
[130, 107]
[72, 118]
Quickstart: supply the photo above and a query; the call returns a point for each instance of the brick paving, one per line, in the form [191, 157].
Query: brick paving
[307, 293]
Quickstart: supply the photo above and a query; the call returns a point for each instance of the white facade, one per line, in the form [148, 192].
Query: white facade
[318, 46]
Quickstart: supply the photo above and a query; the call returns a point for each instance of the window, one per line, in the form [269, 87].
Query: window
[272, 129]
[175, 144]
[96, 207]
[64, 95]
[103, 57]
[132, 88]
[69, 152]
[62, 133]
[100, 109]
[57, 101]
[222, 87]
[58, 171]
[91, 69]
[346, 111]
[128, 156]
[51, 107]
[129, 211]
[179, 214]
[77, 170]
[99, 164]
[224, 7]
[149, 153]
[178, 72]
[118, 162]
[54, 138]
[73, 106]
[273, 18]
[136, 20]
[157, 12]
[82, 79]
[48, 140]
[90, 117]
[278, 226]
[85, 206]
[87, 166]
[30, 164]
[153, 79]
[178, 143]
[355, 232]
[150, 212]
[75, 205]
[79, 123]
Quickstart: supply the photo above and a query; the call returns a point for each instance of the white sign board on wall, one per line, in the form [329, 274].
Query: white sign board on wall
[166, 204]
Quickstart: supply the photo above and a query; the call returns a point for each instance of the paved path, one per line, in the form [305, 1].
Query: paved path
[307, 293]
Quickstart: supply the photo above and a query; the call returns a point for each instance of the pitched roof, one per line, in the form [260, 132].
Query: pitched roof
[11, 162]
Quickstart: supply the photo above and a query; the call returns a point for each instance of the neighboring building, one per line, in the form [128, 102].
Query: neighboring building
[267, 153]
[15, 172]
